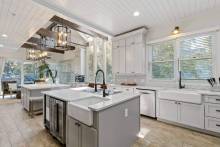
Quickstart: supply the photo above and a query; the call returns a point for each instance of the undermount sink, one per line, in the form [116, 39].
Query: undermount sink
[80, 111]
[99, 91]
[181, 95]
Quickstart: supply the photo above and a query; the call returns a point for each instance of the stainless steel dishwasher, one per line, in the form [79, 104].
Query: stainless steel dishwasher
[147, 102]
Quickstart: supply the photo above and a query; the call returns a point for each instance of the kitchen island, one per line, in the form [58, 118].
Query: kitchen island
[30, 91]
[81, 118]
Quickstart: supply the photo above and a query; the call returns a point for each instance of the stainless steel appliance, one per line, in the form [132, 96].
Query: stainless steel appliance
[147, 102]
[56, 121]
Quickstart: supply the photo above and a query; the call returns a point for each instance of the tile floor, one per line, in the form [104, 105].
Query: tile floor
[17, 129]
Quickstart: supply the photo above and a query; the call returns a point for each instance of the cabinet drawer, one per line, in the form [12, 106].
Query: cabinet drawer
[212, 110]
[212, 124]
[212, 99]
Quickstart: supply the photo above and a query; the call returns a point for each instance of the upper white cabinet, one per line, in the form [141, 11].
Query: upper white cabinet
[118, 56]
[128, 53]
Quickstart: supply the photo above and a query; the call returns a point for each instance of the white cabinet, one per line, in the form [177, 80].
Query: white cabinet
[191, 114]
[212, 124]
[118, 57]
[212, 113]
[80, 135]
[180, 112]
[135, 55]
[168, 110]
[128, 53]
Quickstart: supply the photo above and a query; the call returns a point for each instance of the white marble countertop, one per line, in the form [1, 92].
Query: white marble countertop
[73, 94]
[138, 86]
[198, 91]
[43, 86]
[114, 100]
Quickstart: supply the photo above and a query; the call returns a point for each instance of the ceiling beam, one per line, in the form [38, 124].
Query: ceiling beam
[48, 33]
[70, 47]
[37, 41]
[37, 47]
[51, 26]
[71, 25]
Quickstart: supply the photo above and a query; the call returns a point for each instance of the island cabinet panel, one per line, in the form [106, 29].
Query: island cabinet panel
[89, 136]
[73, 137]
[119, 125]
[80, 135]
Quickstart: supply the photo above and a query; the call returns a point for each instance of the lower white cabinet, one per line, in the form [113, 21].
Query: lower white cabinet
[191, 114]
[180, 112]
[212, 124]
[212, 113]
[80, 135]
[168, 110]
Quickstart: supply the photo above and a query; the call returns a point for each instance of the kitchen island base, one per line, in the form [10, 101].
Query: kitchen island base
[116, 126]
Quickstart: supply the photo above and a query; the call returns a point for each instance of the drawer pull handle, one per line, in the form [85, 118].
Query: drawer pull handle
[217, 125]
[217, 110]
[217, 99]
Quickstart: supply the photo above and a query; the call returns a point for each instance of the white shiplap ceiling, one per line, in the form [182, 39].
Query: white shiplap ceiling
[116, 16]
[20, 19]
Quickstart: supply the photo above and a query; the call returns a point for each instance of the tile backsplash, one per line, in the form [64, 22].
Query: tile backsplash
[138, 79]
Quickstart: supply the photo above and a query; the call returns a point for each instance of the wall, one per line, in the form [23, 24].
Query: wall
[203, 21]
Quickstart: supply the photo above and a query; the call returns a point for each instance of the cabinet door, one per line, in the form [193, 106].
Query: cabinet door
[73, 133]
[168, 110]
[115, 60]
[89, 136]
[139, 58]
[118, 60]
[130, 60]
[191, 114]
[122, 59]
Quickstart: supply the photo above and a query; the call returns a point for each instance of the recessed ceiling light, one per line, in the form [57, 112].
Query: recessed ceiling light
[136, 13]
[4, 35]
[1, 45]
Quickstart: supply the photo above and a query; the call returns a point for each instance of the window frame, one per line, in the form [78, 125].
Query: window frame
[150, 64]
[177, 59]
[214, 47]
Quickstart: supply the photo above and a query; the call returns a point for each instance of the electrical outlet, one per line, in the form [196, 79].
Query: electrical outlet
[126, 112]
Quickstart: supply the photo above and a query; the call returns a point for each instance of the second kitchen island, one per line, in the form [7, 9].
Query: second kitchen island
[84, 119]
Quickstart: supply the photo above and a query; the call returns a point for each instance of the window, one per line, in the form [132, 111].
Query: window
[196, 57]
[12, 71]
[29, 73]
[194, 54]
[162, 60]
[99, 56]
